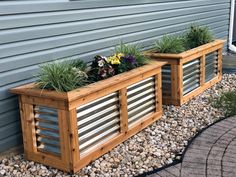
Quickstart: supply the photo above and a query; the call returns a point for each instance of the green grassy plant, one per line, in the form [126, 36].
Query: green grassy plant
[61, 76]
[197, 35]
[170, 44]
[226, 102]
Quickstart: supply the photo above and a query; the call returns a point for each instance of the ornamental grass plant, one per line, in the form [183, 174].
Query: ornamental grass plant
[62, 76]
[226, 102]
[195, 36]
[170, 44]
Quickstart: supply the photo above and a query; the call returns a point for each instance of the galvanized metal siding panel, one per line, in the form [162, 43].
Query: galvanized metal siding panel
[47, 130]
[35, 32]
[98, 121]
[141, 100]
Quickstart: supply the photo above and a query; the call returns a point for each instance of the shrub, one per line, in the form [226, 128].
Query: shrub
[197, 35]
[226, 102]
[62, 76]
[170, 44]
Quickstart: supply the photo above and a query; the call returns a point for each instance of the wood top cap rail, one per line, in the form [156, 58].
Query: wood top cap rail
[31, 90]
[185, 54]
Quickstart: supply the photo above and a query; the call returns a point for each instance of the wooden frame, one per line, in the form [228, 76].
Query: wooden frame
[67, 105]
[176, 62]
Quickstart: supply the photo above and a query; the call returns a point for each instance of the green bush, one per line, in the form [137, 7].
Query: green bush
[197, 35]
[170, 44]
[62, 76]
[226, 102]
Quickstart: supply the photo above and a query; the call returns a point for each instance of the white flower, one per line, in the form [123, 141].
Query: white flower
[100, 63]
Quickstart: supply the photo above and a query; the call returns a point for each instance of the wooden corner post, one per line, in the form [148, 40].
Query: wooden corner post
[158, 81]
[28, 126]
[123, 110]
[68, 138]
[220, 58]
[203, 69]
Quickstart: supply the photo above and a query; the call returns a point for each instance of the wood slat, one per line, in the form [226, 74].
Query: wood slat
[30, 142]
[123, 110]
[158, 91]
[65, 144]
[202, 70]
[73, 137]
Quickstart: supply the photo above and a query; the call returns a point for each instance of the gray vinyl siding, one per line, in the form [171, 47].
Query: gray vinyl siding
[35, 32]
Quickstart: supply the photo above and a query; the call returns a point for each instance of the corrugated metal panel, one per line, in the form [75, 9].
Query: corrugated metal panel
[211, 68]
[34, 32]
[166, 80]
[98, 121]
[191, 76]
[141, 99]
[47, 130]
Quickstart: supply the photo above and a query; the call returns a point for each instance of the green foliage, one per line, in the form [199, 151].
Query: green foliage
[80, 65]
[226, 102]
[170, 44]
[61, 76]
[133, 50]
[197, 35]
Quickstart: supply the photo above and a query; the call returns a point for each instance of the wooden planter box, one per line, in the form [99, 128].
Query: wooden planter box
[190, 73]
[69, 130]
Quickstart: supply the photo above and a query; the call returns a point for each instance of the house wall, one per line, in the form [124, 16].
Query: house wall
[35, 32]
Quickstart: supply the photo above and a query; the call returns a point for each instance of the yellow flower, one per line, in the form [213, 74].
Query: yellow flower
[115, 62]
[119, 55]
[115, 59]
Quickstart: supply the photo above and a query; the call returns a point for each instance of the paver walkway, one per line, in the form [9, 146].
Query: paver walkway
[211, 154]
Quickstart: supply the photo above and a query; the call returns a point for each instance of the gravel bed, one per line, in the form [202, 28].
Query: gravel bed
[158, 145]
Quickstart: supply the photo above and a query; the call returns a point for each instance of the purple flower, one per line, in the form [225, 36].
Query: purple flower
[130, 59]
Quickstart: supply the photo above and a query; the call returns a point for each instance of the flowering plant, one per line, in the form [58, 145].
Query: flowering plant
[101, 68]
[115, 59]
[125, 58]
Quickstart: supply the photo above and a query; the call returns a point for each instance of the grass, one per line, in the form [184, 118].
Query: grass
[170, 44]
[197, 35]
[62, 76]
[226, 102]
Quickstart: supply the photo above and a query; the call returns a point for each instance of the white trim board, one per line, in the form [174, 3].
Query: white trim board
[231, 26]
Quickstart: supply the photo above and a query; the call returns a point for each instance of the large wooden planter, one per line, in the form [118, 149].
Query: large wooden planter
[190, 73]
[70, 130]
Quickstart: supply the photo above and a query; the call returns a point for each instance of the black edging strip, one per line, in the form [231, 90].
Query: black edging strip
[185, 150]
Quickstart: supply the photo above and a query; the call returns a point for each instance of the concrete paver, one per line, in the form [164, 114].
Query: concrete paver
[211, 154]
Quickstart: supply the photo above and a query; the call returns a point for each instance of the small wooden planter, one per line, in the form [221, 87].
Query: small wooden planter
[69, 130]
[189, 73]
